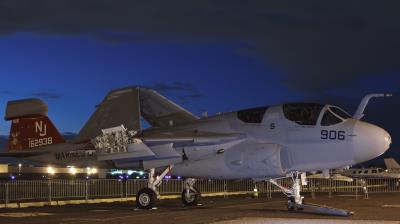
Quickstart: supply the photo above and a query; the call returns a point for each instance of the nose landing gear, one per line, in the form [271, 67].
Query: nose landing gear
[295, 200]
[190, 195]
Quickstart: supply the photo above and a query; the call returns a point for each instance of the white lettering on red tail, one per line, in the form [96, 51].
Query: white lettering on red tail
[40, 128]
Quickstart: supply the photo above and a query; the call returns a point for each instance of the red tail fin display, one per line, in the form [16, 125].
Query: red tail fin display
[32, 132]
[30, 128]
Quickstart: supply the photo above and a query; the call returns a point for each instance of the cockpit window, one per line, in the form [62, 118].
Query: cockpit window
[302, 113]
[341, 113]
[254, 115]
[330, 119]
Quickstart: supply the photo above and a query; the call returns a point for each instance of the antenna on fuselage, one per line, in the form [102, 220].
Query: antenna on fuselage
[364, 102]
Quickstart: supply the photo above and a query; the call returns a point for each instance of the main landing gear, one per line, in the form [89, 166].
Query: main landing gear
[190, 195]
[295, 200]
[146, 197]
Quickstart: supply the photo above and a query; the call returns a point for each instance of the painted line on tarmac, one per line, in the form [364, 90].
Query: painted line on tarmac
[390, 206]
[301, 221]
[24, 214]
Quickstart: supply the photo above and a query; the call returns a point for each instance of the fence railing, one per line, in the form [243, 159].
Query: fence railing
[53, 190]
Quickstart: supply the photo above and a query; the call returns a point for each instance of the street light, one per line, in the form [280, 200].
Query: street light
[19, 169]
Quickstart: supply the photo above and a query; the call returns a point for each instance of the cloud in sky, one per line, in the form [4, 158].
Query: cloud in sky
[316, 44]
[42, 94]
[184, 92]
[46, 95]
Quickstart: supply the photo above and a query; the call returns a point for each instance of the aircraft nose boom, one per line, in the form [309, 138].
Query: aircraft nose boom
[370, 141]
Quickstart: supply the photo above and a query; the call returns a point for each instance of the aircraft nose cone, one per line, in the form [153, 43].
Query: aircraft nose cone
[370, 141]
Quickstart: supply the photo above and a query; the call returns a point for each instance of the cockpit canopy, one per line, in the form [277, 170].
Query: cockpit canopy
[253, 115]
[334, 115]
[308, 114]
[303, 113]
[300, 113]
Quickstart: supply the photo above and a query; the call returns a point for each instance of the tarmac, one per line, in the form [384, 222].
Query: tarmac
[379, 208]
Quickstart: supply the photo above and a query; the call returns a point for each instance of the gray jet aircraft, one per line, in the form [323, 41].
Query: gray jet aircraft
[392, 171]
[263, 143]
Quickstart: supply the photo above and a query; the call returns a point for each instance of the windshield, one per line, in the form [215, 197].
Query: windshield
[334, 115]
[341, 113]
[330, 119]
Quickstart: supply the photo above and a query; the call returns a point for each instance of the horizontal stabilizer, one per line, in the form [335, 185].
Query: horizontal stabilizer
[25, 108]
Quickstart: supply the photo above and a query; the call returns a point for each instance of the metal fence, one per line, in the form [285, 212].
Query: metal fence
[53, 190]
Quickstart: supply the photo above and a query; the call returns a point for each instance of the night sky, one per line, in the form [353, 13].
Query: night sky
[210, 56]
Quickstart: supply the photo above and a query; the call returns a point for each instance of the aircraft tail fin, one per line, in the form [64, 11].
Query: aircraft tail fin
[391, 163]
[30, 126]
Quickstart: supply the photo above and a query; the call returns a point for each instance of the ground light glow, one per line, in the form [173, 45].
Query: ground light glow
[91, 170]
[51, 170]
[72, 170]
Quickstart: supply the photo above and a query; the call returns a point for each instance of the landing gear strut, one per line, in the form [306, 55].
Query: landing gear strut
[146, 197]
[295, 200]
[190, 195]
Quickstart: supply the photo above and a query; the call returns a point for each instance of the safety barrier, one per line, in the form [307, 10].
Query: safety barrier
[56, 190]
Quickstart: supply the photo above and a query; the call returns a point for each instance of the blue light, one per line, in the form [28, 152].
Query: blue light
[114, 172]
[12, 177]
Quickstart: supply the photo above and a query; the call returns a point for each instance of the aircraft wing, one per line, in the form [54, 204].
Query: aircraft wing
[161, 112]
[189, 135]
[119, 107]
[125, 106]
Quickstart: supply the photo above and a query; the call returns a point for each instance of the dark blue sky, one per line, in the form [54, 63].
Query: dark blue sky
[207, 56]
[73, 74]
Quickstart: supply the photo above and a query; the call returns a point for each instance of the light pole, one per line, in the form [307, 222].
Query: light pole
[19, 169]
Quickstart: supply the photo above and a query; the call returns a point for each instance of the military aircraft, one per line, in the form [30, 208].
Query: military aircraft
[392, 171]
[331, 176]
[365, 173]
[263, 143]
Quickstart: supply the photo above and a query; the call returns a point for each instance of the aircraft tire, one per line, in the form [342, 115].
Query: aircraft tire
[194, 198]
[290, 207]
[146, 198]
